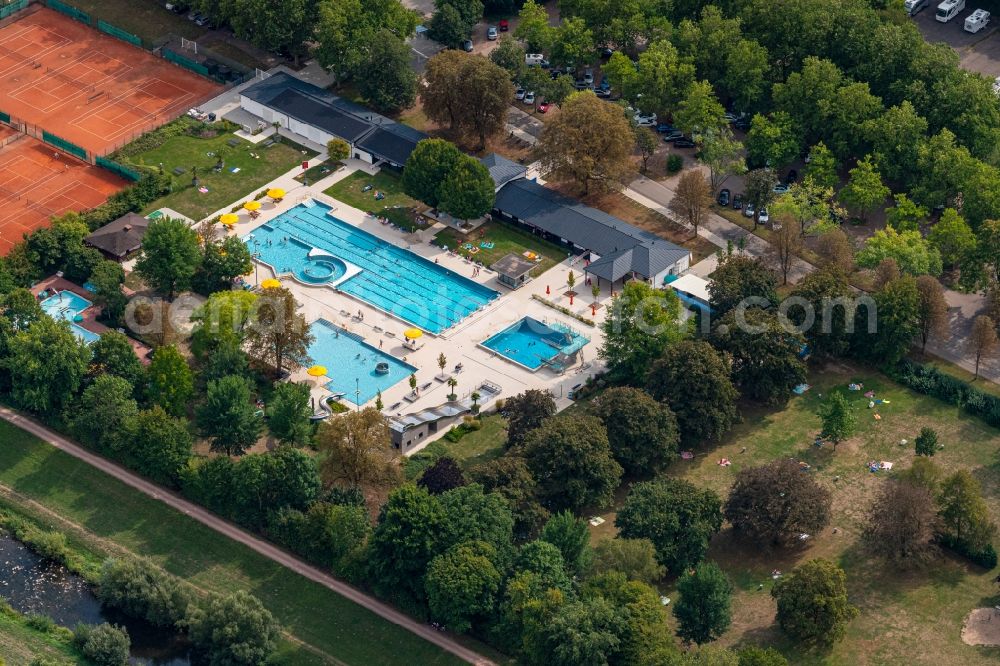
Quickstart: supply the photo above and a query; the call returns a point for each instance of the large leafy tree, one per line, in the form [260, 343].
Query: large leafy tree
[884, 333]
[812, 602]
[902, 523]
[47, 363]
[534, 29]
[773, 140]
[694, 380]
[932, 313]
[444, 475]
[703, 609]
[765, 354]
[221, 323]
[288, 413]
[642, 324]
[427, 167]
[235, 629]
[228, 416]
[699, 114]
[357, 451]
[571, 458]
[279, 335]
[822, 167]
[952, 237]
[678, 517]
[723, 155]
[775, 503]
[846, 113]
[741, 277]
[471, 514]
[170, 256]
[510, 478]
[161, 446]
[468, 191]
[347, 29]
[509, 54]
[462, 585]
[525, 412]
[471, 95]
[285, 27]
[692, 198]
[572, 537]
[221, 263]
[385, 77]
[112, 354]
[642, 432]
[965, 517]
[106, 414]
[894, 137]
[636, 558]
[829, 297]
[107, 279]
[864, 190]
[759, 190]
[911, 252]
[170, 382]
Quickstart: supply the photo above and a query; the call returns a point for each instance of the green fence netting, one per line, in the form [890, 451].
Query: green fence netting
[114, 31]
[69, 10]
[12, 8]
[117, 168]
[63, 144]
[178, 59]
[5, 117]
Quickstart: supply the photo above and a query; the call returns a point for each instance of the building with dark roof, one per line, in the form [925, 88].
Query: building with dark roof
[513, 270]
[618, 250]
[318, 115]
[120, 238]
[502, 170]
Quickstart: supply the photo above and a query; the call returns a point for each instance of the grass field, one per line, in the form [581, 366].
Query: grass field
[325, 628]
[475, 448]
[225, 187]
[20, 644]
[350, 191]
[506, 240]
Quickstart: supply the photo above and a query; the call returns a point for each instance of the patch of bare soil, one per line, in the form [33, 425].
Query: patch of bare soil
[982, 627]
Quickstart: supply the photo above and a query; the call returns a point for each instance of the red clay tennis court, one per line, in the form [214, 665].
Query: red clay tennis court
[86, 87]
[35, 184]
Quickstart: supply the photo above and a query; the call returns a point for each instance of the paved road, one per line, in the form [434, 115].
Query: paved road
[262, 547]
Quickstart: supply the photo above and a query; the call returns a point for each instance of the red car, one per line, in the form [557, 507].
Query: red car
[504, 25]
[543, 107]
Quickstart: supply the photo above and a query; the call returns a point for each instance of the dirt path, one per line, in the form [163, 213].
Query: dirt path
[262, 547]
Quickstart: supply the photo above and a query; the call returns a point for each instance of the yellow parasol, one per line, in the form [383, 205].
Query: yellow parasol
[251, 205]
[270, 283]
[316, 371]
[229, 219]
[412, 333]
[276, 193]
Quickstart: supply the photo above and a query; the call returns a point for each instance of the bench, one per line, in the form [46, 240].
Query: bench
[233, 142]
[267, 144]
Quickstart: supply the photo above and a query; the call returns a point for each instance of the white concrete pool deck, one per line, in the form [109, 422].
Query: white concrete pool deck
[460, 343]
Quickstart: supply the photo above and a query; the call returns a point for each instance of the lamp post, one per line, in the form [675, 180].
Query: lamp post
[357, 393]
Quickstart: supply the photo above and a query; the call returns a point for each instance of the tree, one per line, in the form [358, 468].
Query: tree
[752, 655]
[447, 26]
[759, 190]
[896, 306]
[46, 363]
[692, 198]
[471, 95]
[288, 413]
[287, 30]
[812, 602]
[233, 629]
[107, 279]
[703, 609]
[228, 416]
[105, 416]
[161, 446]
[525, 412]
[221, 324]
[776, 503]
[694, 380]
[571, 459]
[829, 297]
[112, 354]
[462, 585]
[839, 421]
[103, 644]
[357, 451]
[385, 78]
[983, 341]
[932, 311]
[845, 115]
[926, 443]
[338, 149]
[773, 141]
[901, 523]
[822, 167]
[865, 189]
[909, 249]
[808, 204]
[661, 79]
[510, 478]
[468, 192]
[279, 336]
[345, 31]
[965, 517]
[786, 243]
[636, 558]
[589, 142]
[534, 29]
[170, 256]
[221, 263]
[765, 355]
[952, 238]
[894, 137]
[642, 324]
[699, 114]
[741, 279]
[442, 476]
[572, 537]
[641, 431]
[906, 215]
[836, 250]
[428, 166]
[509, 54]
[170, 383]
[723, 155]
[647, 142]
[982, 268]
[144, 591]
[678, 517]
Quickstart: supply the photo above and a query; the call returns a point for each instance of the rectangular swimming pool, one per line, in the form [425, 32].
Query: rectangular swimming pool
[532, 343]
[68, 306]
[317, 249]
[353, 364]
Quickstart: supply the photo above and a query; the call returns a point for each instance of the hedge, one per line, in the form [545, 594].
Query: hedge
[931, 381]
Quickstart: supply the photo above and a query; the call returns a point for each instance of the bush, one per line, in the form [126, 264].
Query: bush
[674, 163]
[985, 557]
[103, 644]
[931, 381]
[42, 623]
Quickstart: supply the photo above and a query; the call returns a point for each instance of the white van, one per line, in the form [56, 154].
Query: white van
[977, 20]
[914, 6]
[533, 59]
[949, 9]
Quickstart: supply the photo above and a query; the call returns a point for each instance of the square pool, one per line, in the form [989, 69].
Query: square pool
[354, 365]
[532, 344]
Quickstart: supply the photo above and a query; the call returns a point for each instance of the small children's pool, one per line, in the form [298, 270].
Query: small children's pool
[68, 306]
[532, 343]
[352, 363]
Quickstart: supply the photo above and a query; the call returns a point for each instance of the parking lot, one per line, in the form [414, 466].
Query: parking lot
[979, 52]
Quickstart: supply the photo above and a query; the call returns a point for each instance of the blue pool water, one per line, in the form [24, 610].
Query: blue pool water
[67, 305]
[392, 279]
[532, 343]
[348, 358]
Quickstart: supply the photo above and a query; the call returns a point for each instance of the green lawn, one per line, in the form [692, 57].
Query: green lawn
[111, 510]
[349, 190]
[20, 644]
[475, 448]
[224, 188]
[506, 239]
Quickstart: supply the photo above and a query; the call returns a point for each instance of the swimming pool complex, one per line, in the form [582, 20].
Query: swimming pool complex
[532, 343]
[67, 306]
[351, 363]
[319, 249]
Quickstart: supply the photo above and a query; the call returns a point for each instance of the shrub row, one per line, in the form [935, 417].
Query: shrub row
[931, 381]
[134, 198]
[984, 557]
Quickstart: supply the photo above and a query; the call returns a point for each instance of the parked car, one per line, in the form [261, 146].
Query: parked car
[742, 123]
[645, 119]
[738, 201]
[543, 106]
[684, 142]
[914, 6]
[723, 197]
[606, 53]
[673, 135]
[194, 16]
[588, 75]
[519, 94]
[177, 7]
[533, 59]
[763, 218]
[467, 46]
[529, 97]
[491, 33]
[664, 128]
[504, 25]
[748, 211]
[780, 188]
[792, 176]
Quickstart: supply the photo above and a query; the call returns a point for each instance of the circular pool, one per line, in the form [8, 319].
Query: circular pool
[321, 270]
